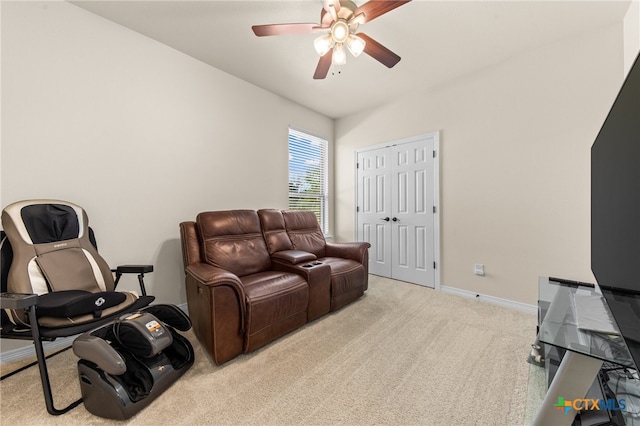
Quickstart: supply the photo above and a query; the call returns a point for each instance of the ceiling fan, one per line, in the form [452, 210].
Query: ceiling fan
[339, 20]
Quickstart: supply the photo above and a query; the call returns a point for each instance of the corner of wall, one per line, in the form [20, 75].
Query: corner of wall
[631, 35]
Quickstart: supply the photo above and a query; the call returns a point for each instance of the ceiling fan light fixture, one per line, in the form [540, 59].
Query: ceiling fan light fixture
[339, 56]
[342, 19]
[340, 31]
[323, 44]
[355, 44]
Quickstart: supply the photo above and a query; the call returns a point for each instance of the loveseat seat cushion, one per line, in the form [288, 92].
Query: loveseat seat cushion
[347, 280]
[276, 304]
[232, 240]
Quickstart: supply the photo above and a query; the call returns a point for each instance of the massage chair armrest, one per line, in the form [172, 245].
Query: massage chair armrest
[133, 269]
[18, 300]
[356, 251]
[293, 257]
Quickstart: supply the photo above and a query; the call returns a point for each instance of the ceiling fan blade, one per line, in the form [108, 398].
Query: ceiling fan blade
[378, 51]
[281, 29]
[374, 8]
[332, 6]
[326, 18]
[323, 66]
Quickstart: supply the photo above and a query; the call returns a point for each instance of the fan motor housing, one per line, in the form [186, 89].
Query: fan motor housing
[347, 8]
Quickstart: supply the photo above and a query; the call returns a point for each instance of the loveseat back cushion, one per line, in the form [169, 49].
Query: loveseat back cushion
[275, 234]
[304, 231]
[232, 240]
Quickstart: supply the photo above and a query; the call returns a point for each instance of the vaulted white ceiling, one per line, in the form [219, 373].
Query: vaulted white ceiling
[437, 40]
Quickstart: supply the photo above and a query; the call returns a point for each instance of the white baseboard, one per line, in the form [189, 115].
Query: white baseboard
[531, 309]
[7, 357]
[30, 350]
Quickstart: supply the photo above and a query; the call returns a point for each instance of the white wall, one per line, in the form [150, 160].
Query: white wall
[515, 162]
[140, 135]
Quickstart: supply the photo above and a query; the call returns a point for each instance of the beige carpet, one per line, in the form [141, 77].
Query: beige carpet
[401, 355]
[536, 392]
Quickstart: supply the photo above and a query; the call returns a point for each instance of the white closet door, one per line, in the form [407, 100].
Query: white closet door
[395, 210]
[374, 208]
[412, 213]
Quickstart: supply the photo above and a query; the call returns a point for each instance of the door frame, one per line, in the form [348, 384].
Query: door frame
[436, 191]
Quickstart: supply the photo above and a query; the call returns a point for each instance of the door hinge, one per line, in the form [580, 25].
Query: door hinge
[358, 209]
[434, 265]
[434, 154]
[434, 209]
[357, 165]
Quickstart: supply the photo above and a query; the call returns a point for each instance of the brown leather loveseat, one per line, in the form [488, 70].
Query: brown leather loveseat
[252, 277]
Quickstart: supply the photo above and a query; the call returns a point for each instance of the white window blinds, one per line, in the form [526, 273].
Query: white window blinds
[308, 187]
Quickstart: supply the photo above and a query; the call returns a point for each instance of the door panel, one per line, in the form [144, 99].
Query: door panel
[420, 182]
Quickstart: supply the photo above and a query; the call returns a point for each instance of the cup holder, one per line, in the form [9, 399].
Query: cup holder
[311, 265]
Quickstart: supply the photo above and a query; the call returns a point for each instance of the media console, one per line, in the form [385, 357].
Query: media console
[584, 352]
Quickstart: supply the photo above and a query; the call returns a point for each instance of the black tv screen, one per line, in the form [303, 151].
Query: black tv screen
[615, 191]
[615, 209]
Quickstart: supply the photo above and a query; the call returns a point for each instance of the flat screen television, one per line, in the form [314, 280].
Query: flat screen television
[615, 210]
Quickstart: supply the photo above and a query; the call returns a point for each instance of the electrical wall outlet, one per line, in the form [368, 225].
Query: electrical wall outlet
[478, 269]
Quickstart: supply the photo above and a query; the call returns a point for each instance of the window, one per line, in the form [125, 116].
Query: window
[308, 187]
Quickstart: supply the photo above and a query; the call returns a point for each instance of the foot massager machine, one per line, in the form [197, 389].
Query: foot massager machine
[125, 365]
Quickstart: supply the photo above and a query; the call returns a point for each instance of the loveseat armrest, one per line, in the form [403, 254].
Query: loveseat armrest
[356, 251]
[217, 308]
[293, 257]
[212, 276]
